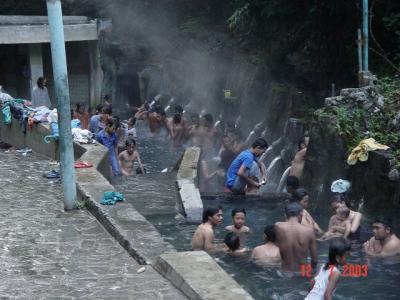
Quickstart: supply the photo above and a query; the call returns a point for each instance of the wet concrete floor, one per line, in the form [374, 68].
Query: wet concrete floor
[46, 253]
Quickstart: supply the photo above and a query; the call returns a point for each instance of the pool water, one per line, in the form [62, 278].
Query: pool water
[263, 282]
[154, 196]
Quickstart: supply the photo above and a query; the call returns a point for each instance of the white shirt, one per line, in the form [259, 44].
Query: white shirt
[321, 284]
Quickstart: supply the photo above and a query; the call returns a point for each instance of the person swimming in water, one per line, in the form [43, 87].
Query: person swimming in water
[384, 243]
[203, 237]
[269, 251]
[238, 219]
[338, 222]
[324, 284]
[232, 241]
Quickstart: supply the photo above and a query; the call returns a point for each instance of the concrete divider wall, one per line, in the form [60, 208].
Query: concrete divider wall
[194, 273]
[189, 201]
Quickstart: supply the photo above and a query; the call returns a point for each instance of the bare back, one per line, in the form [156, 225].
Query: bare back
[203, 237]
[298, 163]
[294, 240]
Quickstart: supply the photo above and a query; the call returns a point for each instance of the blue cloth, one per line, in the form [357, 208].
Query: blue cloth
[110, 141]
[239, 185]
[111, 197]
[94, 123]
[245, 158]
[75, 123]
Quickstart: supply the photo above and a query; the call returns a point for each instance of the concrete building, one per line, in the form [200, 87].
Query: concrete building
[25, 55]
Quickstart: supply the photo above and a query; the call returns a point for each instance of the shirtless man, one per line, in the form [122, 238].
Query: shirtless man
[128, 157]
[269, 252]
[295, 240]
[238, 219]
[301, 196]
[299, 158]
[208, 134]
[203, 237]
[195, 130]
[384, 243]
[177, 130]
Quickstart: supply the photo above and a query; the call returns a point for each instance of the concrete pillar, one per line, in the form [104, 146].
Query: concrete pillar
[96, 74]
[35, 63]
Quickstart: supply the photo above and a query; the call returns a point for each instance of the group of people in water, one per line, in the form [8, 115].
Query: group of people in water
[294, 239]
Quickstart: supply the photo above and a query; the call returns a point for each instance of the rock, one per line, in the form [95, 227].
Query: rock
[141, 270]
[394, 175]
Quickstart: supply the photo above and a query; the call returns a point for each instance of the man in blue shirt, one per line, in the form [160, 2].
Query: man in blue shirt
[245, 170]
[108, 138]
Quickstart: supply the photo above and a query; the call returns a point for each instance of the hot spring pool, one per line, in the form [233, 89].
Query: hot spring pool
[263, 282]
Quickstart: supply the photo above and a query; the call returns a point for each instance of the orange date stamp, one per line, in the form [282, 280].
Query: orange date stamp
[349, 270]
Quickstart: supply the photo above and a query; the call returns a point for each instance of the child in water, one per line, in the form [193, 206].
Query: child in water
[324, 284]
[232, 241]
[238, 219]
[339, 224]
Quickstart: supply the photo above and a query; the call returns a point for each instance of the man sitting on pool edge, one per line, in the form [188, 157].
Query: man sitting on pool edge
[384, 243]
[246, 172]
[203, 237]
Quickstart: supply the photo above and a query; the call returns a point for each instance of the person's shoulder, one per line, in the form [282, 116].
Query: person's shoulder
[229, 228]
[245, 229]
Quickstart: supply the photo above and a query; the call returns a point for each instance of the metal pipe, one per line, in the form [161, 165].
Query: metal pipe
[365, 34]
[359, 46]
[60, 75]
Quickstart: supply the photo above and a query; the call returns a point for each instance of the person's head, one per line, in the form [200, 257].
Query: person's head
[106, 110]
[99, 108]
[41, 82]
[178, 109]
[107, 99]
[177, 118]
[339, 248]
[382, 228]
[303, 142]
[292, 184]
[227, 141]
[337, 200]
[80, 108]
[232, 241]
[230, 126]
[301, 195]
[212, 215]
[132, 121]
[238, 217]
[208, 120]
[294, 210]
[342, 213]
[195, 119]
[111, 125]
[259, 146]
[130, 145]
[269, 233]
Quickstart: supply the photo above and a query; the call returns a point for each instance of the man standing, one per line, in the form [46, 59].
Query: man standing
[295, 240]
[108, 138]
[384, 243]
[203, 237]
[300, 158]
[246, 172]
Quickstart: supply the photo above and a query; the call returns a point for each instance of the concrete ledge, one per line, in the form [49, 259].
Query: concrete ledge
[189, 202]
[198, 276]
[138, 236]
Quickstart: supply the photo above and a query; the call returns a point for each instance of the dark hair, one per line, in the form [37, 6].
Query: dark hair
[338, 246]
[302, 141]
[238, 210]
[130, 142]
[209, 212]
[387, 222]
[99, 107]
[337, 198]
[260, 143]
[107, 97]
[177, 118]
[209, 118]
[133, 120]
[293, 182]
[78, 106]
[232, 241]
[269, 231]
[40, 82]
[106, 110]
[113, 122]
[179, 109]
[299, 194]
[293, 209]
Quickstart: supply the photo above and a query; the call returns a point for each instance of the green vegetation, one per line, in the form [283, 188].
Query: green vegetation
[356, 123]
